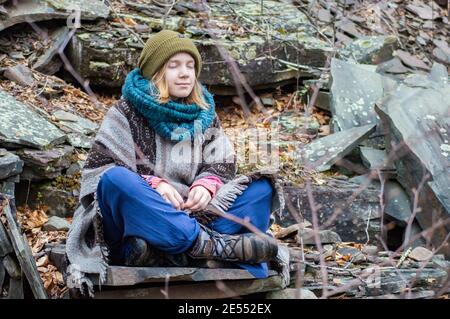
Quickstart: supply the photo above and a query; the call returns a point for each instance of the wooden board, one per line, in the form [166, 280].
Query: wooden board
[2, 275]
[128, 276]
[206, 290]
[24, 255]
[5, 244]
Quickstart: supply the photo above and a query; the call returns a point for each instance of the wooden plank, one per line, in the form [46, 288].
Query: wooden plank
[207, 290]
[24, 255]
[5, 244]
[2, 275]
[127, 276]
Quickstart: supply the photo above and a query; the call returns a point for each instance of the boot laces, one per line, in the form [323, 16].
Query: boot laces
[224, 245]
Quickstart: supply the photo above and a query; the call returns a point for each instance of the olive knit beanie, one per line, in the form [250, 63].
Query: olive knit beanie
[163, 45]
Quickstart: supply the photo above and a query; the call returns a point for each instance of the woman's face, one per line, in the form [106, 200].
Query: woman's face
[180, 75]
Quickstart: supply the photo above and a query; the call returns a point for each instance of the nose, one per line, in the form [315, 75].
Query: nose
[183, 71]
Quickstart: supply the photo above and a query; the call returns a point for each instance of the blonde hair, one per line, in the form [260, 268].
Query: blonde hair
[196, 96]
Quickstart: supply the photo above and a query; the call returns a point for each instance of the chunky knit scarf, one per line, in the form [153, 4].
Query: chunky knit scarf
[172, 120]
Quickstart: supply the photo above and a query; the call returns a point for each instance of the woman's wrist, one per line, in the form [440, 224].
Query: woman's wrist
[154, 181]
[208, 184]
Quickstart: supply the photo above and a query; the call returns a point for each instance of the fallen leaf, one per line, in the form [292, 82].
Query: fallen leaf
[43, 261]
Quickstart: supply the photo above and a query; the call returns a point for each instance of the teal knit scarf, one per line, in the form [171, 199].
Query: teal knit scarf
[172, 120]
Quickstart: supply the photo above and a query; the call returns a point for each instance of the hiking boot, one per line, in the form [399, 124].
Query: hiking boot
[139, 253]
[247, 248]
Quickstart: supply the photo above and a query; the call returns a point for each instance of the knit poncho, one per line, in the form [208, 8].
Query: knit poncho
[125, 138]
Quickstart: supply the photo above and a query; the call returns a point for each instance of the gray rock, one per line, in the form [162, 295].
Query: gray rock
[8, 188]
[441, 264]
[376, 159]
[22, 126]
[393, 66]
[80, 140]
[326, 237]
[45, 164]
[355, 90]
[443, 47]
[417, 118]
[3, 14]
[349, 27]
[105, 57]
[439, 74]
[386, 281]
[13, 179]
[356, 256]
[16, 55]
[350, 220]
[12, 266]
[323, 101]
[370, 49]
[75, 124]
[440, 55]
[49, 62]
[411, 60]
[267, 100]
[10, 165]
[422, 10]
[370, 250]
[36, 10]
[292, 230]
[292, 123]
[398, 205]
[60, 202]
[291, 293]
[421, 254]
[414, 232]
[75, 168]
[324, 152]
[56, 223]
[426, 294]
[20, 74]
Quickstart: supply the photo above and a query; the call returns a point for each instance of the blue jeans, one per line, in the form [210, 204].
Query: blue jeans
[131, 208]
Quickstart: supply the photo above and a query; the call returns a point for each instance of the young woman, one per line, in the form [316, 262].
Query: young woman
[158, 160]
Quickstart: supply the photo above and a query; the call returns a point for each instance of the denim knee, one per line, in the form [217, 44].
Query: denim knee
[265, 187]
[115, 174]
[112, 179]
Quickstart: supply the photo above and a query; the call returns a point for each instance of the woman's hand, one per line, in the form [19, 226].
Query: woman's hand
[170, 194]
[198, 199]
